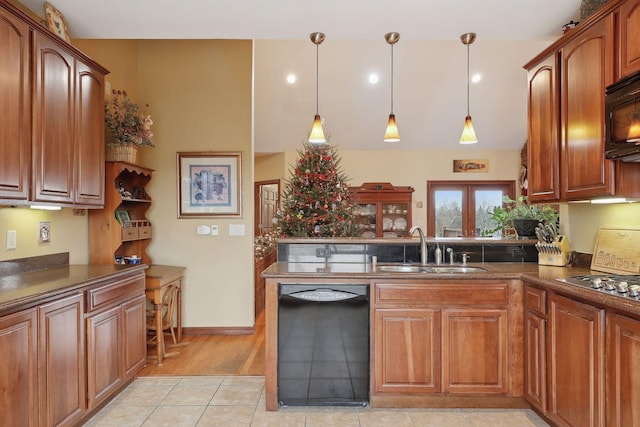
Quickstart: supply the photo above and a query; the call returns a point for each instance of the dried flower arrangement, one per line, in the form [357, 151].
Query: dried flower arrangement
[126, 122]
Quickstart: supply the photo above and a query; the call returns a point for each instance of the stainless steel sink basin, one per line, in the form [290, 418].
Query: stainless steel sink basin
[403, 268]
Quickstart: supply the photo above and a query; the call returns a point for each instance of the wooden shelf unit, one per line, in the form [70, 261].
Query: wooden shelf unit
[111, 237]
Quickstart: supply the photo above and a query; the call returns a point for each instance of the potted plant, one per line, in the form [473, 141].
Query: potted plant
[522, 216]
[127, 127]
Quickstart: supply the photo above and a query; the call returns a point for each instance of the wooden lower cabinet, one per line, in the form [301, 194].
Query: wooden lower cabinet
[535, 361]
[407, 348]
[437, 343]
[18, 370]
[575, 363]
[61, 358]
[474, 350]
[623, 366]
[116, 348]
[67, 356]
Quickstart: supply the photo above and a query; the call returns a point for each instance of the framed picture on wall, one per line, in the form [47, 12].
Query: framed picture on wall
[209, 184]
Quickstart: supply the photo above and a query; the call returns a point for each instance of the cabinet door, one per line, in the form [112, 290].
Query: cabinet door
[15, 116]
[407, 351]
[62, 361]
[104, 354]
[53, 124]
[623, 365]
[543, 149]
[535, 361]
[134, 335]
[18, 380]
[587, 68]
[575, 363]
[474, 353]
[89, 144]
[629, 27]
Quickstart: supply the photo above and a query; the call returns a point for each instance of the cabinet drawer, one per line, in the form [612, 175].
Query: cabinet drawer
[441, 293]
[129, 233]
[144, 232]
[114, 293]
[535, 300]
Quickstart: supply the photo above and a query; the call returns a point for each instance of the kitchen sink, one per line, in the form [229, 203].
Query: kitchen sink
[403, 268]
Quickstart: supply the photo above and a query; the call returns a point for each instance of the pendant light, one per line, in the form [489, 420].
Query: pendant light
[392, 134]
[468, 134]
[634, 128]
[317, 133]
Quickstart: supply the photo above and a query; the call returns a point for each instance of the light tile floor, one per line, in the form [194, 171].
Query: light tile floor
[238, 401]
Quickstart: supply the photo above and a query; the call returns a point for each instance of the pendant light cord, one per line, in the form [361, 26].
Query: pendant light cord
[468, 78]
[317, 79]
[392, 79]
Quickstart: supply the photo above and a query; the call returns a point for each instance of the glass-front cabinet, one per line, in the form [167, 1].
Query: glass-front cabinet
[382, 209]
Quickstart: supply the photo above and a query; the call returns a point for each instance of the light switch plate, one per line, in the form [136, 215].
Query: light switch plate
[236, 229]
[203, 229]
[214, 230]
[12, 239]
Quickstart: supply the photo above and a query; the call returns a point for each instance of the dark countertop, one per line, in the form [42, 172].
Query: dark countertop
[28, 289]
[541, 275]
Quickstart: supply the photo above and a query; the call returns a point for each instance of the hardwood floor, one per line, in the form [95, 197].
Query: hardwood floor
[213, 355]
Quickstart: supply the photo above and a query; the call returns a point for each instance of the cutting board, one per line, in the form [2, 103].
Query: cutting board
[617, 250]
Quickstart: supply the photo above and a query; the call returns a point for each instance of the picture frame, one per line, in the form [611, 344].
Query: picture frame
[471, 166]
[56, 22]
[209, 184]
[123, 218]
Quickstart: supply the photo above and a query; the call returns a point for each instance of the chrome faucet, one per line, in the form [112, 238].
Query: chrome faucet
[423, 244]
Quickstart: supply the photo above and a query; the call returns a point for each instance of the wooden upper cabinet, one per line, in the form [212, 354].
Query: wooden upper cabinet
[543, 144]
[15, 108]
[89, 136]
[587, 69]
[629, 37]
[52, 117]
[53, 122]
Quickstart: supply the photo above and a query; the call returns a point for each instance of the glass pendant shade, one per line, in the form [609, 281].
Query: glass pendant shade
[317, 133]
[316, 136]
[392, 134]
[468, 134]
[634, 129]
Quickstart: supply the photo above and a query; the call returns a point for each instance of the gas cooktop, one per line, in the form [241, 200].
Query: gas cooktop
[622, 286]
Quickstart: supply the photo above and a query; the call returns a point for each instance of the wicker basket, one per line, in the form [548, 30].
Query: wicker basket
[125, 153]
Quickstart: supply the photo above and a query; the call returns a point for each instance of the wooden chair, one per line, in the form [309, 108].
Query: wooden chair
[169, 301]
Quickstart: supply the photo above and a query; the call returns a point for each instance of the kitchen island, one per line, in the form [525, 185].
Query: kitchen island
[470, 339]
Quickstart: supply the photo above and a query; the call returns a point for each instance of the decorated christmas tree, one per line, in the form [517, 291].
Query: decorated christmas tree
[316, 199]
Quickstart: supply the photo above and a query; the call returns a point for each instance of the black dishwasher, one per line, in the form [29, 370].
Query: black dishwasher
[323, 345]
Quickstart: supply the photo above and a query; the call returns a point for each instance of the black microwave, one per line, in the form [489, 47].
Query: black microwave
[622, 119]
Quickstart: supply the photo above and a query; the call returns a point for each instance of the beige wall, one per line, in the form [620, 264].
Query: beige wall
[412, 168]
[585, 219]
[69, 233]
[200, 97]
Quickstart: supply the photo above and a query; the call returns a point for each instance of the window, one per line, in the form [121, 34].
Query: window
[462, 208]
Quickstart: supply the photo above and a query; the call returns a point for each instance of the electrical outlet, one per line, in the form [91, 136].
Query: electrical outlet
[214, 230]
[12, 239]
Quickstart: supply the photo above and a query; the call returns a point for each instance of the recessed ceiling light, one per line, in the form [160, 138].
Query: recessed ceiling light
[291, 78]
[476, 78]
[373, 78]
